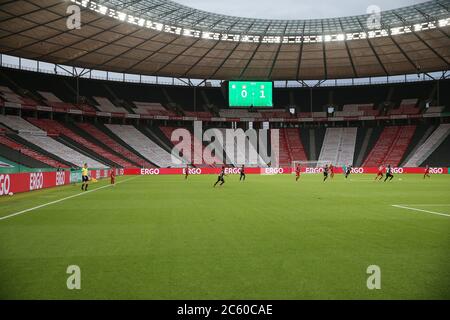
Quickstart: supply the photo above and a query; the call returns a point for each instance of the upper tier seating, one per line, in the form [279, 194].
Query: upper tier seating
[39, 137]
[198, 114]
[113, 145]
[357, 110]
[53, 101]
[274, 113]
[152, 109]
[407, 106]
[238, 113]
[314, 114]
[10, 96]
[105, 105]
[58, 128]
[144, 146]
[30, 153]
[427, 148]
[434, 109]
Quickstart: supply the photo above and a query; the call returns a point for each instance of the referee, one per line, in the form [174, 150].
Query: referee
[84, 177]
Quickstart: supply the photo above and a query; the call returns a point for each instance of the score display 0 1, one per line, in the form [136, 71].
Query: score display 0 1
[256, 94]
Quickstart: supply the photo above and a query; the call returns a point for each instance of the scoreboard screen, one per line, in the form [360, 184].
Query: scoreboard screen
[256, 94]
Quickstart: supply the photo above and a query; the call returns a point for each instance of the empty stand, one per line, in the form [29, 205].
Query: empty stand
[238, 113]
[194, 152]
[315, 114]
[399, 146]
[104, 105]
[407, 106]
[346, 151]
[99, 135]
[357, 110]
[428, 147]
[284, 154]
[53, 101]
[198, 114]
[143, 145]
[294, 144]
[390, 147]
[10, 96]
[167, 131]
[58, 128]
[62, 151]
[434, 109]
[152, 109]
[20, 125]
[4, 140]
[338, 147]
[239, 153]
[39, 137]
[274, 113]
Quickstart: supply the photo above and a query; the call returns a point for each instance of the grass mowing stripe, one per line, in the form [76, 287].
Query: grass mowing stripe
[60, 200]
[421, 210]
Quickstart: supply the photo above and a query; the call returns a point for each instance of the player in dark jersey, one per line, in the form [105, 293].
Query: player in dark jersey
[389, 173]
[348, 170]
[325, 173]
[220, 177]
[297, 172]
[242, 172]
[427, 172]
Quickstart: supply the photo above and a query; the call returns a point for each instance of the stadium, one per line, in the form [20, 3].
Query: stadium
[150, 149]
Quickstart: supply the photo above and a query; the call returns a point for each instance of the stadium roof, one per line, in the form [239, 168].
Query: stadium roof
[158, 37]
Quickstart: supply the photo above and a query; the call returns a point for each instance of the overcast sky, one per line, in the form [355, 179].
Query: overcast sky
[293, 9]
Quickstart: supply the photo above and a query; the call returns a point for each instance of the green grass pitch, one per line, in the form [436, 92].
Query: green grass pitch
[161, 237]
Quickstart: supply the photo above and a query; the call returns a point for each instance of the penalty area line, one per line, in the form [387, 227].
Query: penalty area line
[60, 200]
[420, 210]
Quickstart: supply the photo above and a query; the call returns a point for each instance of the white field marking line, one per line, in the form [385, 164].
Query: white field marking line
[429, 205]
[60, 200]
[421, 210]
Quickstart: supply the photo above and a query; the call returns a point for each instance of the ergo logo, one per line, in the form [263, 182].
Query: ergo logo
[5, 184]
[60, 178]
[357, 170]
[273, 170]
[313, 170]
[149, 171]
[437, 170]
[397, 170]
[193, 171]
[36, 180]
[232, 170]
